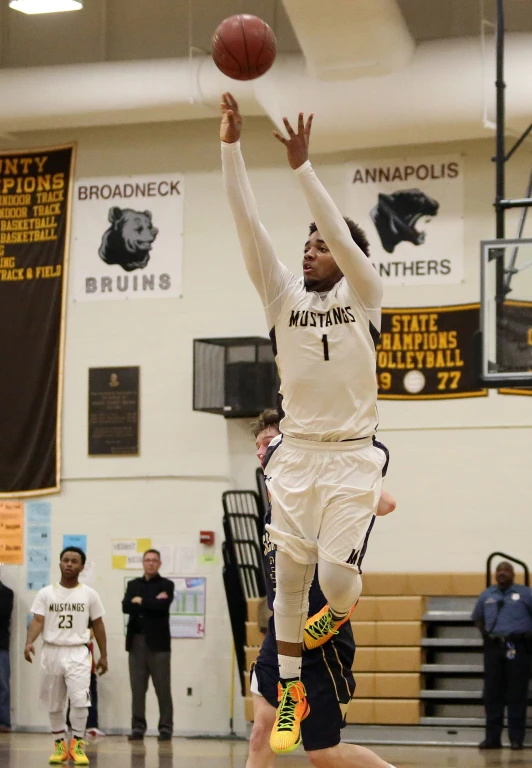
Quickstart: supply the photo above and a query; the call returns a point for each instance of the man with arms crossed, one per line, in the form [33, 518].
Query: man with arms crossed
[325, 476]
[62, 612]
[326, 670]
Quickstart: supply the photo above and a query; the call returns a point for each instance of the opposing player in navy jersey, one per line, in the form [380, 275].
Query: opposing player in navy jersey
[326, 670]
[325, 478]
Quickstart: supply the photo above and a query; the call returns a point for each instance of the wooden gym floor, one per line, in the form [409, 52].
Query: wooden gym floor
[32, 751]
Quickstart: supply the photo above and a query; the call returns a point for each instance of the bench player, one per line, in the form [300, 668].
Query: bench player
[325, 478]
[62, 612]
[326, 670]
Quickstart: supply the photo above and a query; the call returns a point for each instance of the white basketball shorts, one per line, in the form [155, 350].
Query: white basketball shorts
[324, 497]
[66, 673]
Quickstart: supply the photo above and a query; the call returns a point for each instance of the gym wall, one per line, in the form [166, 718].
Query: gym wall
[459, 468]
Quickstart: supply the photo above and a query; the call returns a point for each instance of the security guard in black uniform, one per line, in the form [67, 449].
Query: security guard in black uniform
[503, 614]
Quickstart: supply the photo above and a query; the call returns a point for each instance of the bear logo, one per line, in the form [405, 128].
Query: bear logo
[129, 239]
[395, 217]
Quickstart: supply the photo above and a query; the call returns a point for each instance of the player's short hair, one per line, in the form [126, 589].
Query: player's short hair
[268, 418]
[357, 233]
[77, 550]
[155, 552]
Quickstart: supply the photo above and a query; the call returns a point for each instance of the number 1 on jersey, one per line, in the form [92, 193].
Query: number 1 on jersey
[325, 347]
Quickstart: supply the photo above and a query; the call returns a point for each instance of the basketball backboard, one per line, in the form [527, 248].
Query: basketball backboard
[506, 312]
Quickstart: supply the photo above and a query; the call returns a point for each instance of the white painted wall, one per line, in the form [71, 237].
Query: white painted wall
[460, 469]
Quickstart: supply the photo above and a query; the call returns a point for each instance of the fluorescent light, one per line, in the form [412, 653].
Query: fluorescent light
[45, 6]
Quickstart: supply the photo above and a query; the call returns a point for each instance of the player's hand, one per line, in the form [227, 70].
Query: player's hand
[102, 665]
[162, 596]
[137, 600]
[29, 651]
[386, 504]
[231, 126]
[297, 143]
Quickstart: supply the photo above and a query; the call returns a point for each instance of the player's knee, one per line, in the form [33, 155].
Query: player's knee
[325, 758]
[341, 586]
[260, 734]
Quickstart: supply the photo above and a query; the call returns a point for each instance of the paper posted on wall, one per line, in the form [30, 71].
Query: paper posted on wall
[187, 614]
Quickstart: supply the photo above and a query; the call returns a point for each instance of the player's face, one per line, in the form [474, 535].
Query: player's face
[320, 271]
[151, 564]
[264, 438]
[71, 565]
[504, 575]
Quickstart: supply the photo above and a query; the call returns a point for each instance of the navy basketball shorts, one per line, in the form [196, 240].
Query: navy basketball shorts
[329, 682]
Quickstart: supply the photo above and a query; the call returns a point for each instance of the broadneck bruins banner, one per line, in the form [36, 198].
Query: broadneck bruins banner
[514, 334]
[426, 353]
[35, 194]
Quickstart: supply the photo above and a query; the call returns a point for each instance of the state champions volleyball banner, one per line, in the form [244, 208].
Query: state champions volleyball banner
[412, 210]
[426, 353]
[127, 238]
[35, 195]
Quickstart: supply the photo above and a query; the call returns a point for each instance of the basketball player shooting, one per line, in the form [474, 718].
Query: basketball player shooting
[62, 612]
[325, 475]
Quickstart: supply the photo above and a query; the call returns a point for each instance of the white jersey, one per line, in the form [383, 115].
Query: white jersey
[325, 354]
[324, 344]
[67, 612]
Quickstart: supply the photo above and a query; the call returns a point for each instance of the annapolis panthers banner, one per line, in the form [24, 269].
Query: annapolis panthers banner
[128, 237]
[412, 211]
[35, 193]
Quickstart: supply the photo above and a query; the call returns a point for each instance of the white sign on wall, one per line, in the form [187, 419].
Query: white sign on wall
[412, 211]
[127, 237]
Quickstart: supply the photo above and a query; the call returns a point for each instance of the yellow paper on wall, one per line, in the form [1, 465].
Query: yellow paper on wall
[119, 561]
[11, 533]
[143, 545]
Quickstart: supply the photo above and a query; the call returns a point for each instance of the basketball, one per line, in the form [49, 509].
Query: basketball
[243, 47]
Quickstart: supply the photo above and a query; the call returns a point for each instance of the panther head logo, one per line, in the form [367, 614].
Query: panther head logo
[129, 239]
[395, 217]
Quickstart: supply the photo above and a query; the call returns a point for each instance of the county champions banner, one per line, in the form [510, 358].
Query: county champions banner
[128, 237]
[412, 211]
[35, 193]
[426, 353]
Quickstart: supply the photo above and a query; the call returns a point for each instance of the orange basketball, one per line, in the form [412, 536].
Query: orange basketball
[243, 47]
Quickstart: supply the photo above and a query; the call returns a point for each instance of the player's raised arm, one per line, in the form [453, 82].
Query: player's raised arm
[267, 273]
[355, 265]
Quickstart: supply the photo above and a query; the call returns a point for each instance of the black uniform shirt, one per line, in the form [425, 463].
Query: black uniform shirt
[152, 617]
[6, 608]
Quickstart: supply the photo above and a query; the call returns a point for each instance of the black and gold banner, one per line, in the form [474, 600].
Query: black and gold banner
[514, 341]
[426, 353]
[35, 201]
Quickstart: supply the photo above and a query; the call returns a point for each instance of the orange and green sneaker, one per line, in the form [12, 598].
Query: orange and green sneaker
[321, 627]
[293, 708]
[61, 752]
[77, 753]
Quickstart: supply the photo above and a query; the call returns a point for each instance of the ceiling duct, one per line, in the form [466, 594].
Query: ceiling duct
[438, 96]
[345, 39]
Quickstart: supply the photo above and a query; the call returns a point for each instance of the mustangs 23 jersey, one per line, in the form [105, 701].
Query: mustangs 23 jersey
[67, 612]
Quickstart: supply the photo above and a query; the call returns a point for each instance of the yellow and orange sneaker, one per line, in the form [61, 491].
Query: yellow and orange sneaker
[77, 753]
[293, 708]
[321, 627]
[61, 752]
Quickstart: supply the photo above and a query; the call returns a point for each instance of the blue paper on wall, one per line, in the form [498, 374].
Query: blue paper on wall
[75, 540]
[39, 544]
[39, 536]
[39, 512]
